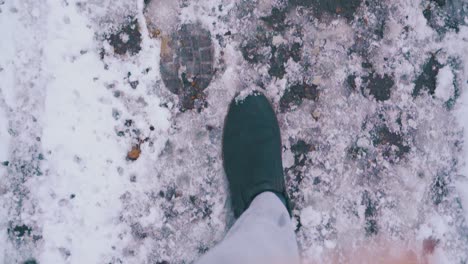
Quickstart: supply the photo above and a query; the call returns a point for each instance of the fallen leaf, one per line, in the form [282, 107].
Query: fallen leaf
[155, 33]
[134, 154]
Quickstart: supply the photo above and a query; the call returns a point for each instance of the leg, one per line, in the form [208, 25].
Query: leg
[263, 234]
[252, 162]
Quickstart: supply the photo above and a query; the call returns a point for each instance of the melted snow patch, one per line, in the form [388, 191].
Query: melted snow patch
[310, 217]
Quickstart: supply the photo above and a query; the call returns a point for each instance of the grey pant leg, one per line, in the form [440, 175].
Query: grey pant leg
[264, 233]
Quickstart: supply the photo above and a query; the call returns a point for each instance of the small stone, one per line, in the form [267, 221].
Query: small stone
[351, 81]
[134, 84]
[133, 178]
[317, 181]
[5, 163]
[115, 114]
[316, 115]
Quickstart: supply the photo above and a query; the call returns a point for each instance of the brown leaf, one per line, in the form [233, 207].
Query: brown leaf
[155, 33]
[134, 154]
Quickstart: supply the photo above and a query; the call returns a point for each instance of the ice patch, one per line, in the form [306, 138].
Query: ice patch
[445, 88]
[244, 94]
[163, 15]
[310, 217]
[278, 40]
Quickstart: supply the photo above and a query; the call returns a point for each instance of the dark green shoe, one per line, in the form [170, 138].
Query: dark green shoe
[252, 152]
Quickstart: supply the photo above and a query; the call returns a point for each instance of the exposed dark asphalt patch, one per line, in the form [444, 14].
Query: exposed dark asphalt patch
[127, 40]
[379, 86]
[295, 94]
[427, 79]
[345, 8]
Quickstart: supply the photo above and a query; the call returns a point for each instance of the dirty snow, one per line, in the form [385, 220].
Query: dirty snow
[371, 99]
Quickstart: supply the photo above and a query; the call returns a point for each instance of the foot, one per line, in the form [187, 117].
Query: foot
[252, 152]
[186, 64]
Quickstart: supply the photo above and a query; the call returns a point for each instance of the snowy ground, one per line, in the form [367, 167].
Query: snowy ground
[371, 96]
